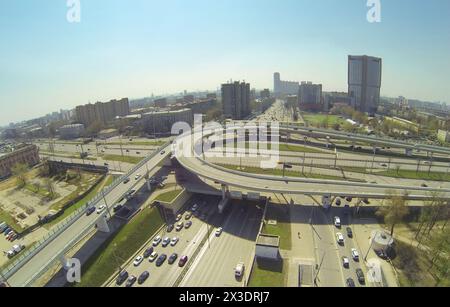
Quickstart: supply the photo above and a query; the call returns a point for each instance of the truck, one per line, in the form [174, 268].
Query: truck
[16, 249]
[239, 270]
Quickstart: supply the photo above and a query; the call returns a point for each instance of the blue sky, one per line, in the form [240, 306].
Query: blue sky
[132, 48]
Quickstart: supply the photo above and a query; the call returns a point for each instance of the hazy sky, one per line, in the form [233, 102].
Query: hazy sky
[132, 48]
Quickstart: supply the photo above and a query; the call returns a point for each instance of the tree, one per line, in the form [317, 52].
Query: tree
[50, 187]
[394, 211]
[19, 170]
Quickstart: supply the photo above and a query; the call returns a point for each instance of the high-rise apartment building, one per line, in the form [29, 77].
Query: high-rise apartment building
[310, 96]
[102, 112]
[364, 82]
[284, 87]
[236, 100]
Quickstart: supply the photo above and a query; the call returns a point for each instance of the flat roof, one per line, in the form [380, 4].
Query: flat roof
[268, 240]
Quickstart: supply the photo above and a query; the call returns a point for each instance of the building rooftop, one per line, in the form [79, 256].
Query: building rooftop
[268, 240]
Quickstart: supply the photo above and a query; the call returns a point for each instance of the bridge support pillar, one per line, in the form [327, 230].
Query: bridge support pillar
[149, 185]
[224, 191]
[65, 264]
[102, 224]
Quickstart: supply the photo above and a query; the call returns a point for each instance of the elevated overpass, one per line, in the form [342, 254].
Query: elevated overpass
[35, 261]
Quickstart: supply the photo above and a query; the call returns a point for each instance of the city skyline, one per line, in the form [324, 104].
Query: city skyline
[72, 64]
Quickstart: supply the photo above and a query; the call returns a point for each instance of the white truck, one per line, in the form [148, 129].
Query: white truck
[15, 250]
[239, 270]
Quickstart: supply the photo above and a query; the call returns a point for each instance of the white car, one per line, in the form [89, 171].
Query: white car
[156, 241]
[194, 208]
[165, 242]
[355, 254]
[137, 177]
[345, 262]
[138, 261]
[180, 226]
[101, 209]
[153, 257]
[239, 270]
[337, 221]
[219, 231]
[339, 238]
[174, 241]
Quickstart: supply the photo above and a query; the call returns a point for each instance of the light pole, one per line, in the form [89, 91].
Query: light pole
[370, 247]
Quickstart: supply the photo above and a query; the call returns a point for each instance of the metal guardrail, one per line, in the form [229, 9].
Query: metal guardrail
[61, 227]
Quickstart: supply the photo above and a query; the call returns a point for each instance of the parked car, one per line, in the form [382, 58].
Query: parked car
[148, 252]
[349, 199]
[382, 254]
[165, 242]
[156, 241]
[174, 241]
[338, 202]
[169, 228]
[188, 224]
[355, 254]
[90, 210]
[366, 201]
[340, 238]
[138, 261]
[182, 261]
[131, 280]
[194, 208]
[180, 226]
[349, 232]
[219, 231]
[350, 283]
[161, 259]
[188, 216]
[143, 277]
[173, 258]
[337, 222]
[361, 277]
[153, 257]
[123, 276]
[178, 218]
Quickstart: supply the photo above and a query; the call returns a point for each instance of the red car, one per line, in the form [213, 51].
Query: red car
[182, 261]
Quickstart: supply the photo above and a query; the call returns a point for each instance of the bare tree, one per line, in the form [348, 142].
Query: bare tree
[394, 211]
[19, 170]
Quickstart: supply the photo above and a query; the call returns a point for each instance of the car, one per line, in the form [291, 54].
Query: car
[127, 150]
[383, 165]
[90, 210]
[349, 232]
[156, 241]
[165, 242]
[169, 228]
[137, 176]
[366, 201]
[6, 230]
[105, 164]
[117, 208]
[355, 254]
[182, 261]
[143, 277]
[178, 218]
[173, 258]
[345, 262]
[188, 225]
[239, 270]
[148, 252]
[194, 208]
[340, 238]
[349, 199]
[219, 231]
[138, 152]
[130, 282]
[338, 202]
[13, 237]
[101, 209]
[123, 276]
[163, 152]
[424, 185]
[180, 226]
[126, 181]
[337, 221]
[188, 216]
[350, 283]
[382, 254]
[161, 259]
[174, 241]
[138, 261]
[361, 277]
[153, 257]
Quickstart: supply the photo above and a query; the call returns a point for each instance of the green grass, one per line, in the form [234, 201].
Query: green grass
[279, 172]
[283, 147]
[318, 119]
[61, 155]
[280, 214]
[120, 247]
[107, 181]
[168, 197]
[411, 174]
[43, 192]
[126, 159]
[269, 274]
[8, 219]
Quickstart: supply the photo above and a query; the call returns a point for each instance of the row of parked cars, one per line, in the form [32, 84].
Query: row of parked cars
[8, 232]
